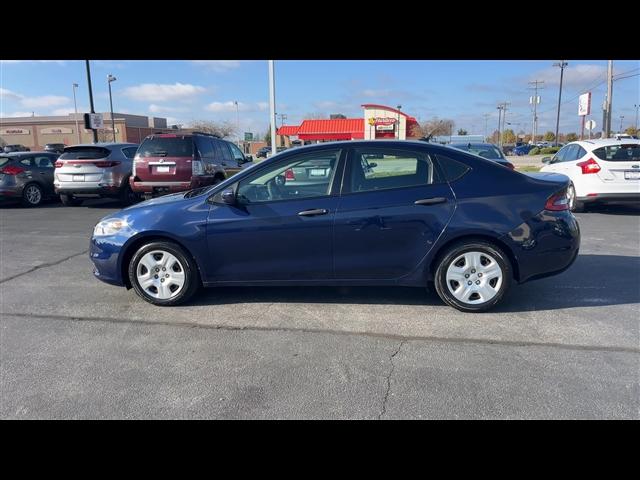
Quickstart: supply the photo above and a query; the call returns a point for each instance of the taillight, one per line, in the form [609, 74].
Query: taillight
[59, 164]
[557, 202]
[106, 163]
[590, 166]
[289, 175]
[510, 165]
[196, 167]
[12, 170]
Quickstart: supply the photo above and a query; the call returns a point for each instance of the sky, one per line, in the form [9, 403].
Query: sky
[183, 91]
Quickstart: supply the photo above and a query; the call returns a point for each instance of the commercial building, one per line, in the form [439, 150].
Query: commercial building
[35, 132]
[378, 122]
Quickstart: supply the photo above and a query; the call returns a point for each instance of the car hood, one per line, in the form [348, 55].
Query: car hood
[164, 200]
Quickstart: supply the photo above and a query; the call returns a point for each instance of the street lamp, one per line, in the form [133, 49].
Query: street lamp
[237, 120]
[75, 105]
[110, 79]
[621, 118]
[636, 107]
[560, 64]
[399, 107]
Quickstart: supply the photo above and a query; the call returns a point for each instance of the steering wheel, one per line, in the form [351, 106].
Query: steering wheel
[274, 186]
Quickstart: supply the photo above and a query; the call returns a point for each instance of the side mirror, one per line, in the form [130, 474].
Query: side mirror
[248, 158]
[546, 160]
[229, 197]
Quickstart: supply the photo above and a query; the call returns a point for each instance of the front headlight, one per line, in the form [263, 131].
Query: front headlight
[109, 227]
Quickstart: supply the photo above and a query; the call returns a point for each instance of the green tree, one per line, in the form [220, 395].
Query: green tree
[508, 136]
[571, 137]
[631, 131]
[462, 131]
[493, 138]
[549, 137]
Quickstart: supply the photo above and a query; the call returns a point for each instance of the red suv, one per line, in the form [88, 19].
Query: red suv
[168, 163]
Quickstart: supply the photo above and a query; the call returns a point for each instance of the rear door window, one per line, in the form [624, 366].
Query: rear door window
[205, 147]
[166, 147]
[129, 152]
[619, 153]
[81, 153]
[237, 154]
[44, 161]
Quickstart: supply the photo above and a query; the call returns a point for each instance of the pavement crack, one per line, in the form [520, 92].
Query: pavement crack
[44, 265]
[388, 377]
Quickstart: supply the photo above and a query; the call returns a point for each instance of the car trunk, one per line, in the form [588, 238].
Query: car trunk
[164, 159]
[82, 164]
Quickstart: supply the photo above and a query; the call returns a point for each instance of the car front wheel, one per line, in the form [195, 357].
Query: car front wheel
[162, 273]
[473, 276]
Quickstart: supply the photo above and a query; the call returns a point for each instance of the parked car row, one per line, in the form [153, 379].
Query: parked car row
[162, 164]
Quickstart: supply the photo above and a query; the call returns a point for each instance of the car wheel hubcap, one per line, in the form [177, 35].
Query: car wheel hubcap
[474, 277]
[160, 274]
[33, 195]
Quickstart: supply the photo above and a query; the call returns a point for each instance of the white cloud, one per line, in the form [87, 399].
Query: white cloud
[230, 106]
[44, 101]
[6, 94]
[217, 65]
[17, 114]
[69, 110]
[59, 62]
[371, 93]
[575, 75]
[156, 92]
[153, 108]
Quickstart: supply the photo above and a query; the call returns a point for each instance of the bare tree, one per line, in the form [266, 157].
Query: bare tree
[221, 129]
[436, 126]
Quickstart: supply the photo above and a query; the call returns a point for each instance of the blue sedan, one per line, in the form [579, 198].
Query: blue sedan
[347, 213]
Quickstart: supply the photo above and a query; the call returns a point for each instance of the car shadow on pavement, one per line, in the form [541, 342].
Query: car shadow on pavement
[592, 281]
[613, 209]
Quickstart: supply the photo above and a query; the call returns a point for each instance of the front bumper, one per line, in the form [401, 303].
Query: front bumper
[546, 244]
[104, 253]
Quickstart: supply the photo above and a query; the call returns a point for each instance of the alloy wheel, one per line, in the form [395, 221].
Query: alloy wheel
[33, 194]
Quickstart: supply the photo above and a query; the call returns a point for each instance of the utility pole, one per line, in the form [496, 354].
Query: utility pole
[75, 106]
[499, 107]
[560, 64]
[636, 124]
[486, 118]
[535, 100]
[95, 132]
[272, 107]
[283, 117]
[606, 114]
[621, 118]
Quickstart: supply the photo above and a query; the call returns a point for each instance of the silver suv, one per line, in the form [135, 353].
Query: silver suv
[95, 170]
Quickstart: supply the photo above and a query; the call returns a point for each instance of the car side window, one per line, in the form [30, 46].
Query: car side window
[44, 162]
[205, 147]
[559, 156]
[301, 176]
[27, 161]
[382, 168]
[237, 154]
[581, 152]
[226, 154]
[572, 153]
[452, 169]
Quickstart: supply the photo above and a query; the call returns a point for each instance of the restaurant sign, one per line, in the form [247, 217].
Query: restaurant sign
[15, 131]
[55, 131]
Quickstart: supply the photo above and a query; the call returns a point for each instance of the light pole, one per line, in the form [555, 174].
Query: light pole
[272, 107]
[75, 106]
[399, 107]
[95, 132]
[499, 107]
[560, 64]
[110, 79]
[621, 118]
[636, 124]
[237, 120]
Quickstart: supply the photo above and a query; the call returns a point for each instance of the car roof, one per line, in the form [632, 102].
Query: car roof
[104, 144]
[22, 154]
[603, 142]
[473, 144]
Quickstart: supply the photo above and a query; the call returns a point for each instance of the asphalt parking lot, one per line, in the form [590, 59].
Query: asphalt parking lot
[71, 347]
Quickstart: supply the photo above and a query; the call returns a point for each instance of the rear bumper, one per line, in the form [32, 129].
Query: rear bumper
[86, 188]
[611, 197]
[546, 244]
[168, 187]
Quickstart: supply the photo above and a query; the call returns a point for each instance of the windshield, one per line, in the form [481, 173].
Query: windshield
[627, 152]
[80, 153]
[485, 151]
[166, 147]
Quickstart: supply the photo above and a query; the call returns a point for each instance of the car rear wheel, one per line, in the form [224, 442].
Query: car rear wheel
[32, 195]
[69, 200]
[128, 196]
[473, 276]
[574, 204]
[162, 273]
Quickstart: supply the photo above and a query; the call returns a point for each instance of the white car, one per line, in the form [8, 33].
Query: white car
[601, 171]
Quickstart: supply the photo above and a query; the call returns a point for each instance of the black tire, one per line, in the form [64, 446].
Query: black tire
[574, 204]
[32, 195]
[69, 200]
[453, 252]
[191, 274]
[128, 196]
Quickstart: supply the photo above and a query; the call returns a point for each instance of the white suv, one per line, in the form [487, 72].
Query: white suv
[600, 171]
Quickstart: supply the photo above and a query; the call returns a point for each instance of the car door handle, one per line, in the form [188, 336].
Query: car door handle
[430, 201]
[314, 212]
